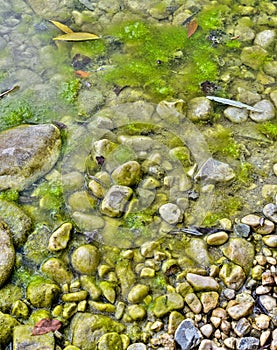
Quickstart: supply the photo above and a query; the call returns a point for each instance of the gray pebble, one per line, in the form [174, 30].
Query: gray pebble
[248, 343]
[236, 115]
[187, 335]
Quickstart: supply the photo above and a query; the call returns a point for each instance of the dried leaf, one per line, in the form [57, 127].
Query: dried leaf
[77, 36]
[46, 325]
[192, 27]
[62, 27]
[82, 74]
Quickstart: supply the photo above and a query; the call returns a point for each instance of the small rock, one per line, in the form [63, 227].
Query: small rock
[217, 238]
[213, 171]
[148, 249]
[165, 303]
[268, 111]
[7, 256]
[251, 220]
[240, 310]
[202, 283]
[270, 241]
[209, 301]
[264, 337]
[248, 343]
[171, 213]
[236, 115]
[115, 200]
[42, 293]
[209, 345]
[7, 325]
[136, 312]
[262, 321]
[60, 237]
[187, 335]
[127, 174]
[57, 270]
[207, 330]
[242, 230]
[243, 327]
[85, 259]
[193, 303]
[199, 108]
[138, 293]
[232, 275]
[174, 320]
[265, 38]
[137, 346]
[270, 211]
[110, 340]
[253, 56]
[23, 339]
[263, 290]
[268, 302]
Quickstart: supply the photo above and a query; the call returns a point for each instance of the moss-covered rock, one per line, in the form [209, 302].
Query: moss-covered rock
[57, 270]
[85, 259]
[42, 293]
[8, 295]
[87, 329]
[19, 223]
[253, 56]
[27, 153]
[23, 339]
[165, 303]
[7, 324]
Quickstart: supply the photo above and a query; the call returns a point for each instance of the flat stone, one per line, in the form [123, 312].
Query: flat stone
[236, 115]
[268, 302]
[27, 152]
[214, 171]
[23, 339]
[7, 256]
[168, 302]
[187, 335]
[268, 111]
[253, 56]
[202, 283]
[115, 200]
[240, 310]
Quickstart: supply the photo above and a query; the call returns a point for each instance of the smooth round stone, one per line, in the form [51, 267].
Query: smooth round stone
[193, 303]
[207, 330]
[262, 321]
[268, 302]
[57, 270]
[110, 341]
[137, 346]
[171, 213]
[217, 238]
[268, 111]
[137, 312]
[138, 293]
[236, 115]
[96, 188]
[251, 220]
[85, 259]
[270, 241]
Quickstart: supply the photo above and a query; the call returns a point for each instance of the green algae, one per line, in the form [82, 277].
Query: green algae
[9, 195]
[244, 173]
[269, 129]
[70, 90]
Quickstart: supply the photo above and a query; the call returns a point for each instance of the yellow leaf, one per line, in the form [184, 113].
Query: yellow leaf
[77, 36]
[62, 27]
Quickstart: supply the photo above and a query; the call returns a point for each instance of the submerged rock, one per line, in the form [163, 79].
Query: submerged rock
[213, 171]
[115, 200]
[7, 256]
[19, 223]
[7, 324]
[27, 152]
[23, 339]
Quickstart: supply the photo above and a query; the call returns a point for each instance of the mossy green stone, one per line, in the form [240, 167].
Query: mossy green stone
[42, 293]
[110, 341]
[57, 270]
[7, 324]
[253, 56]
[23, 339]
[138, 293]
[166, 303]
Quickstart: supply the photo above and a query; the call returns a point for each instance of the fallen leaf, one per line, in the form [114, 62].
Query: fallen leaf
[46, 325]
[77, 36]
[62, 27]
[82, 74]
[192, 27]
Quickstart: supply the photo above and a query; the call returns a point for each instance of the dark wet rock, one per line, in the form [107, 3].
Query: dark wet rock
[248, 343]
[85, 259]
[42, 293]
[239, 251]
[19, 223]
[7, 324]
[27, 152]
[23, 339]
[86, 329]
[270, 211]
[213, 171]
[166, 303]
[115, 200]
[127, 174]
[187, 335]
[7, 255]
[57, 270]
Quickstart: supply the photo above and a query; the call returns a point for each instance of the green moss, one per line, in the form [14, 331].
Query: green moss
[212, 17]
[9, 195]
[211, 219]
[269, 129]
[50, 195]
[138, 223]
[70, 90]
[89, 48]
[244, 173]
[221, 142]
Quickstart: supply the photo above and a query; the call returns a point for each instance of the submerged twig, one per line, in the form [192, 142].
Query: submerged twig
[4, 93]
[233, 103]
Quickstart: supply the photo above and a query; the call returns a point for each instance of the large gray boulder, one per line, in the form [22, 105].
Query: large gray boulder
[27, 152]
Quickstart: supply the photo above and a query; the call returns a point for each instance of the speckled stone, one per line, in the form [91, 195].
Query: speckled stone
[171, 213]
[270, 211]
[202, 283]
[240, 310]
[209, 301]
[248, 343]
[236, 115]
